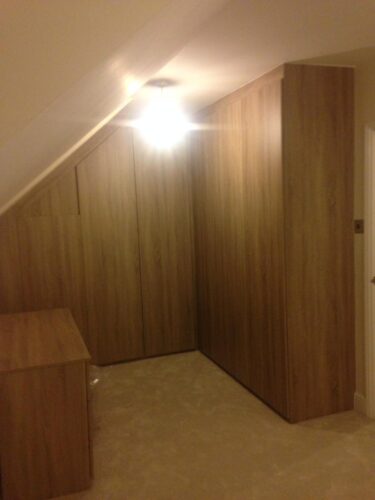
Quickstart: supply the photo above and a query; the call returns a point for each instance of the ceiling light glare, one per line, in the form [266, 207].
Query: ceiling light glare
[163, 124]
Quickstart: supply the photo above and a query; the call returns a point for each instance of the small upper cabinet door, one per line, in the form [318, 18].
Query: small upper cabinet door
[107, 197]
[166, 247]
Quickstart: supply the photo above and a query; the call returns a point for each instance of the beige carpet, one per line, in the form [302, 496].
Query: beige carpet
[179, 428]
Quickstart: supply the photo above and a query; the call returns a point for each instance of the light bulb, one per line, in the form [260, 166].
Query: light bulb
[163, 124]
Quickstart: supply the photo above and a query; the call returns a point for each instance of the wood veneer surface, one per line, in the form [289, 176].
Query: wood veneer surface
[58, 198]
[41, 264]
[166, 247]
[74, 241]
[274, 256]
[239, 221]
[318, 200]
[273, 202]
[39, 338]
[11, 292]
[264, 244]
[51, 261]
[220, 240]
[106, 185]
[44, 432]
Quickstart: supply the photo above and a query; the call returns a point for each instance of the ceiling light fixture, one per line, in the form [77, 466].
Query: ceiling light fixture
[163, 124]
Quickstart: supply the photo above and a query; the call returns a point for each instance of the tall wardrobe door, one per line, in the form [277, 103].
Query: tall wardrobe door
[265, 243]
[166, 248]
[107, 196]
[220, 240]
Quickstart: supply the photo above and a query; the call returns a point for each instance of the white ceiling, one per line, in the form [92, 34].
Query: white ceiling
[47, 46]
[64, 74]
[68, 66]
[250, 37]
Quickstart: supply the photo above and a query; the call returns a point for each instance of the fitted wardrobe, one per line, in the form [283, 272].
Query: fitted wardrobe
[238, 242]
[112, 239]
[274, 238]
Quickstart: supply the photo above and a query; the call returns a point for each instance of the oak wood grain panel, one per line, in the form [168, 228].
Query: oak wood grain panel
[111, 250]
[201, 164]
[40, 338]
[44, 432]
[11, 292]
[239, 227]
[221, 251]
[263, 183]
[318, 197]
[166, 248]
[51, 263]
[58, 198]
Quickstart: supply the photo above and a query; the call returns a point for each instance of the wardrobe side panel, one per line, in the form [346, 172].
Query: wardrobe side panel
[318, 199]
[201, 145]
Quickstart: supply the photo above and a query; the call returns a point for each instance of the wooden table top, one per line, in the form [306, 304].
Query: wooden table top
[40, 338]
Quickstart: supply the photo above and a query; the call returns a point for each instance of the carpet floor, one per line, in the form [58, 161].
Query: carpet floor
[179, 428]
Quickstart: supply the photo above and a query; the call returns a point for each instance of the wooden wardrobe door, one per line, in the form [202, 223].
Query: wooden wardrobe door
[166, 248]
[239, 238]
[265, 243]
[220, 236]
[107, 196]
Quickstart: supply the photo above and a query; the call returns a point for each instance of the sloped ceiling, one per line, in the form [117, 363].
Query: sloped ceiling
[70, 65]
[67, 66]
[48, 46]
[248, 38]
